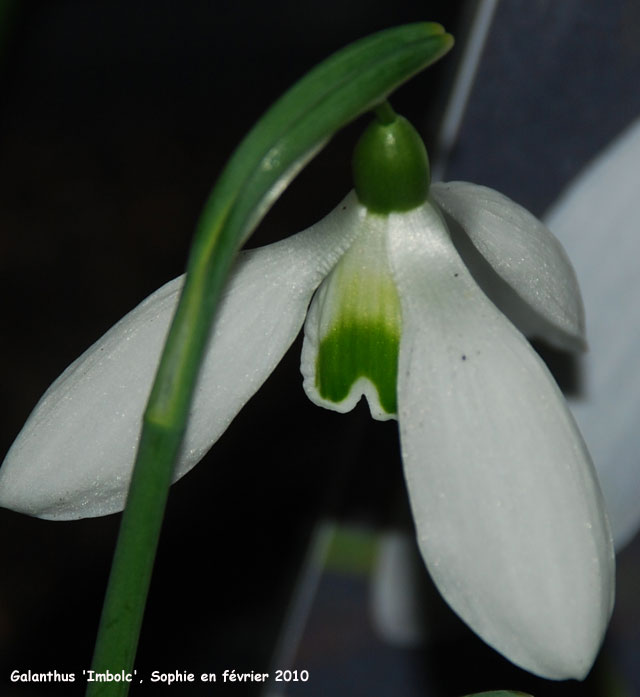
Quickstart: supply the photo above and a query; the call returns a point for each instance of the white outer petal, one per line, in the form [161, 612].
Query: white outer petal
[526, 256]
[74, 455]
[509, 515]
[598, 219]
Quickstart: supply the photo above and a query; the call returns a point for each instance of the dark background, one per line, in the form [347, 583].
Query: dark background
[115, 119]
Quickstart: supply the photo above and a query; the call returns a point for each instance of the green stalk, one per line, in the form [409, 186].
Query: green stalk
[294, 129]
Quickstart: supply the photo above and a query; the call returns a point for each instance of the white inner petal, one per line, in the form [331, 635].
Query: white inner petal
[352, 329]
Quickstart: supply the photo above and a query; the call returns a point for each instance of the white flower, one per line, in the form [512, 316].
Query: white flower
[509, 515]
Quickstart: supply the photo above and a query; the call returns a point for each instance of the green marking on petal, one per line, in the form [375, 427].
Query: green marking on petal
[359, 324]
[354, 351]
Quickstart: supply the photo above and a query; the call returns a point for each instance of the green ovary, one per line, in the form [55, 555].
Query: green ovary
[355, 350]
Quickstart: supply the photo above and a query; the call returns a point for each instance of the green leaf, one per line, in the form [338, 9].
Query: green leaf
[288, 135]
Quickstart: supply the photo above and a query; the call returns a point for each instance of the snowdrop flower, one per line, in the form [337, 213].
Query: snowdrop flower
[509, 515]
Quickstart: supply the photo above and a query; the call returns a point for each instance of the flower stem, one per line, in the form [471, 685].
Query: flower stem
[133, 559]
[385, 113]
